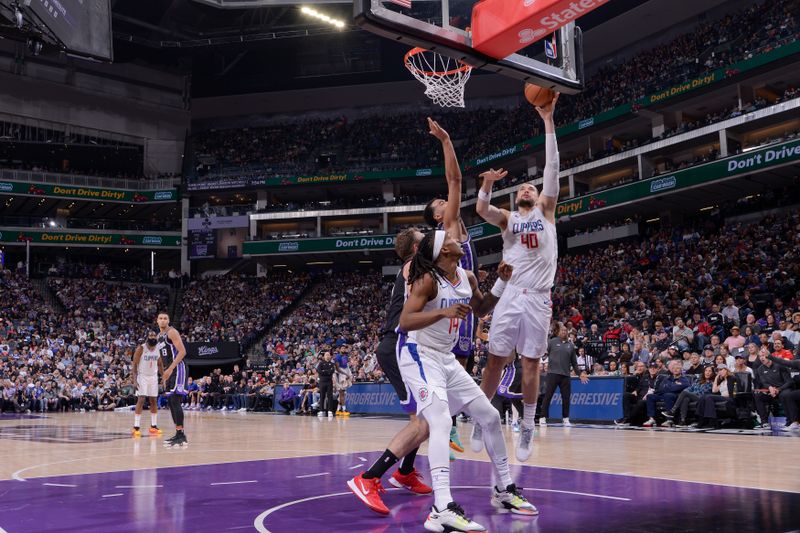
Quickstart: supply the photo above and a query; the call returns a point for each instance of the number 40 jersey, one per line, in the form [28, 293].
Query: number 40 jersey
[530, 246]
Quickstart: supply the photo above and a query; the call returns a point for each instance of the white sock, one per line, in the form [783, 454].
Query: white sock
[153, 419]
[137, 421]
[530, 414]
[440, 478]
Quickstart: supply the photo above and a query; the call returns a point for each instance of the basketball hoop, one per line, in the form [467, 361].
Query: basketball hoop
[444, 78]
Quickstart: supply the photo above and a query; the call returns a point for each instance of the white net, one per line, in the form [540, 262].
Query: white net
[444, 78]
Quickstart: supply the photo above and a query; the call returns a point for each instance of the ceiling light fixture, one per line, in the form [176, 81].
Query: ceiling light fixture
[311, 12]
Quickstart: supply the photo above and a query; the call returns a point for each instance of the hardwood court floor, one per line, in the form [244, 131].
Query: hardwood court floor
[81, 443]
[274, 474]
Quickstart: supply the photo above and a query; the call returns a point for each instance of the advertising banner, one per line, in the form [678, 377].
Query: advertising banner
[212, 353]
[208, 223]
[600, 399]
[366, 398]
[775, 155]
[87, 193]
[88, 238]
[344, 244]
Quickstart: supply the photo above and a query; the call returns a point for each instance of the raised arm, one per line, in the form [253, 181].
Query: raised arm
[484, 303]
[491, 214]
[780, 361]
[413, 317]
[452, 217]
[550, 187]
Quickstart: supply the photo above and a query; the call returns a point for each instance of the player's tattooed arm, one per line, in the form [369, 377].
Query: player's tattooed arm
[414, 318]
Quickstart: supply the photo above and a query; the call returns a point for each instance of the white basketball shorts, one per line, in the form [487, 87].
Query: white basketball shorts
[147, 386]
[521, 322]
[426, 372]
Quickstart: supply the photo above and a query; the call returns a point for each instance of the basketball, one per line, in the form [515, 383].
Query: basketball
[538, 96]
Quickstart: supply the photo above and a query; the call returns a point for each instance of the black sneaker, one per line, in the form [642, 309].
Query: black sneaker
[668, 414]
[178, 440]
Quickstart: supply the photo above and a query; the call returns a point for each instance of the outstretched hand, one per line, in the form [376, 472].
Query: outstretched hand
[437, 131]
[494, 175]
[546, 112]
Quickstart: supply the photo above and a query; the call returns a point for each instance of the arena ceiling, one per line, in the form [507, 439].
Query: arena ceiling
[245, 46]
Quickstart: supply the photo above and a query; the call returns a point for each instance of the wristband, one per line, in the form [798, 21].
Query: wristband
[485, 196]
[498, 288]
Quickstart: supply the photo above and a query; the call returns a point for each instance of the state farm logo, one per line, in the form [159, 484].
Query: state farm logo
[529, 35]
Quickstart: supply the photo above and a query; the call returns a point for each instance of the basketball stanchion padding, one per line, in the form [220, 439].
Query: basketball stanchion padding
[444, 78]
[502, 27]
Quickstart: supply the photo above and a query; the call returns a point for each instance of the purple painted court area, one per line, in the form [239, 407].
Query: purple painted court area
[309, 495]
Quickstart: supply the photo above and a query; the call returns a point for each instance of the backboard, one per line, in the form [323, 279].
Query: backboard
[444, 26]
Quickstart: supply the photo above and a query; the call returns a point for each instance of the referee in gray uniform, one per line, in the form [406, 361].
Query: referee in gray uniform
[561, 356]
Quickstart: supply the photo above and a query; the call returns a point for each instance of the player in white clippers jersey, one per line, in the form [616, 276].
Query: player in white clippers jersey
[146, 367]
[442, 295]
[446, 215]
[521, 320]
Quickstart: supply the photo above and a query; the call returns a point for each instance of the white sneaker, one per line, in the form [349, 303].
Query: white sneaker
[543, 422]
[321, 414]
[794, 426]
[512, 500]
[476, 440]
[567, 423]
[330, 414]
[650, 423]
[450, 519]
[525, 443]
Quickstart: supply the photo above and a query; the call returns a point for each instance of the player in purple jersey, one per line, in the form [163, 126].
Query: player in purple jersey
[446, 215]
[173, 379]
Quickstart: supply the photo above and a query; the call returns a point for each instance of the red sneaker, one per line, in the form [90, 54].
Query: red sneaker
[369, 491]
[412, 482]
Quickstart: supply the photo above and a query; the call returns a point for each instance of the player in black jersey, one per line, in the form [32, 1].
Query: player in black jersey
[367, 485]
[446, 215]
[175, 375]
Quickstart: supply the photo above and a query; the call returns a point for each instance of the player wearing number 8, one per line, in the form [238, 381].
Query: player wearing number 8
[521, 320]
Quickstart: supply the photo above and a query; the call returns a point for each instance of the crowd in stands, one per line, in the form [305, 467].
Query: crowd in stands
[78, 359]
[102, 270]
[236, 307]
[343, 314]
[689, 295]
[402, 141]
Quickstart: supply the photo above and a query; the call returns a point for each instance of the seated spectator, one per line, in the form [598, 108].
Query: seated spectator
[693, 393]
[771, 382]
[721, 397]
[666, 390]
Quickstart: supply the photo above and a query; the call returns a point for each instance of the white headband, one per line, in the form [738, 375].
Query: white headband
[438, 242]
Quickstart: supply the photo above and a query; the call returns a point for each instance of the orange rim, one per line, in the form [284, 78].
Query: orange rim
[416, 51]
